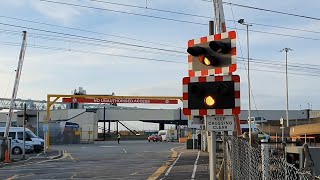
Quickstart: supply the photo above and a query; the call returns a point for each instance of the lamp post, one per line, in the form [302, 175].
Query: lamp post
[287, 94]
[282, 129]
[241, 21]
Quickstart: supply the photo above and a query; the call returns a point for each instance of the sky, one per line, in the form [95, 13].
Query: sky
[87, 45]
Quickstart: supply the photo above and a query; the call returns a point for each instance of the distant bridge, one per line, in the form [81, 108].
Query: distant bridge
[31, 104]
[42, 105]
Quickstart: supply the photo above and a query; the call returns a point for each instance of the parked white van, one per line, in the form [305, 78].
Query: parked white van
[168, 135]
[254, 129]
[30, 138]
[16, 147]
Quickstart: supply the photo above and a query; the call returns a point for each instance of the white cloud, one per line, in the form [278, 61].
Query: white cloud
[60, 13]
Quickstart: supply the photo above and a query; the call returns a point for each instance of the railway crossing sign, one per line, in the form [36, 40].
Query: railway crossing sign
[215, 54]
[211, 95]
[220, 123]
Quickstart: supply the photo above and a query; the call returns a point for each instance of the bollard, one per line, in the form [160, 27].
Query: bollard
[265, 159]
[7, 158]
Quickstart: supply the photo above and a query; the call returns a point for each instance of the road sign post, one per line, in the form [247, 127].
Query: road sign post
[282, 129]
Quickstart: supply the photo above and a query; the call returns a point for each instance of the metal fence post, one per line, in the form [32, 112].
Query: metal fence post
[265, 159]
[225, 134]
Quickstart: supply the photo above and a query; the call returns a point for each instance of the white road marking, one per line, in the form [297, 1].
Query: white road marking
[172, 149]
[20, 176]
[108, 146]
[174, 163]
[65, 155]
[195, 167]
[124, 151]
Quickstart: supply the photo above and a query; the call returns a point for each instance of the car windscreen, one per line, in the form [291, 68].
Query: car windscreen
[31, 134]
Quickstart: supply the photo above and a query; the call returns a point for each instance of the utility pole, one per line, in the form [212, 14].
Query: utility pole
[287, 94]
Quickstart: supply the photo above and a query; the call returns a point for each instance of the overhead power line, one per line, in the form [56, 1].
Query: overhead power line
[201, 16]
[89, 38]
[87, 31]
[287, 28]
[264, 62]
[153, 9]
[89, 52]
[81, 41]
[93, 43]
[262, 69]
[177, 20]
[124, 12]
[273, 11]
[247, 73]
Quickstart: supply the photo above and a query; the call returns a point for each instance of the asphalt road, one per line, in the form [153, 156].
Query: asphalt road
[190, 164]
[106, 160]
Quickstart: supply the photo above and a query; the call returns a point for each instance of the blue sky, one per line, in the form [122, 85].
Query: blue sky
[60, 71]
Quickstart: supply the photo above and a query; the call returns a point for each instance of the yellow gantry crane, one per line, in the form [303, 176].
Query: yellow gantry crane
[56, 97]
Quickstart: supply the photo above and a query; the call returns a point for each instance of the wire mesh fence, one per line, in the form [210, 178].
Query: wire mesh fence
[259, 162]
[70, 136]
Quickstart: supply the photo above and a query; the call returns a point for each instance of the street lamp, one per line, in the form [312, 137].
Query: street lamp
[287, 95]
[241, 21]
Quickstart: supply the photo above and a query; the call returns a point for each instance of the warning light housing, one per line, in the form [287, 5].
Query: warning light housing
[211, 95]
[213, 54]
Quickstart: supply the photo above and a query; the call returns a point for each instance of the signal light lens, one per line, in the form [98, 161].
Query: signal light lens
[209, 101]
[206, 61]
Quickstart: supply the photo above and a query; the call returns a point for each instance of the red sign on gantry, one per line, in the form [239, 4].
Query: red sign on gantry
[120, 100]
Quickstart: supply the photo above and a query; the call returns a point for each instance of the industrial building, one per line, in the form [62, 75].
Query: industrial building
[84, 122]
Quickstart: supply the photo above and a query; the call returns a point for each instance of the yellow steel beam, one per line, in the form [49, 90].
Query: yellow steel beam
[49, 104]
[54, 101]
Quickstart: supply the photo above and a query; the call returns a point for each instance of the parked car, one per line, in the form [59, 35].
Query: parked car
[155, 138]
[17, 147]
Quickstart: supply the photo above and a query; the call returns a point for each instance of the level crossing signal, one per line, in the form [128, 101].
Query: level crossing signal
[211, 89]
[215, 54]
[211, 95]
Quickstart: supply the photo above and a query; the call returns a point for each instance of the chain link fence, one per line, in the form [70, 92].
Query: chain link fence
[60, 135]
[257, 162]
